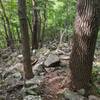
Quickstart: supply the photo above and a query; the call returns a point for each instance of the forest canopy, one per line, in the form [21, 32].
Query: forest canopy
[60, 14]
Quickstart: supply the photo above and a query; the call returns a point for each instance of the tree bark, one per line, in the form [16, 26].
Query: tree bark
[44, 22]
[35, 26]
[25, 38]
[35, 31]
[82, 56]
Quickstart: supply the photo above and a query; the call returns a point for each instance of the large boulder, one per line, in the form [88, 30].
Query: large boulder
[52, 60]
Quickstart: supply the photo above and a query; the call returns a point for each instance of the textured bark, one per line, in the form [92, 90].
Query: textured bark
[86, 29]
[25, 38]
[35, 31]
[35, 26]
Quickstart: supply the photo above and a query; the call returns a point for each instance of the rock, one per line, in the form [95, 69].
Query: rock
[32, 97]
[14, 54]
[36, 80]
[58, 52]
[64, 63]
[33, 52]
[53, 46]
[19, 67]
[92, 97]
[13, 87]
[81, 91]
[38, 68]
[2, 97]
[14, 69]
[69, 95]
[4, 56]
[17, 75]
[64, 57]
[20, 57]
[43, 51]
[52, 60]
[32, 90]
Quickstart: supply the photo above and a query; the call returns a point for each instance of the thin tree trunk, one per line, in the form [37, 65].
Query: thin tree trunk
[82, 56]
[39, 27]
[44, 23]
[11, 41]
[5, 28]
[25, 38]
[18, 35]
[29, 24]
[35, 27]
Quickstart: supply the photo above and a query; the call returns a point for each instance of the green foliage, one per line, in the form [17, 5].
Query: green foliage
[60, 15]
[96, 76]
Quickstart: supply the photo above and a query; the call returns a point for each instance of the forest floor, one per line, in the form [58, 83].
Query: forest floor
[50, 67]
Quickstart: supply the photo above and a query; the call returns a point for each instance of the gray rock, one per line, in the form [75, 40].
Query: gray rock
[38, 68]
[32, 97]
[17, 75]
[2, 97]
[36, 80]
[33, 52]
[92, 97]
[43, 51]
[64, 57]
[69, 95]
[4, 56]
[20, 57]
[81, 91]
[52, 60]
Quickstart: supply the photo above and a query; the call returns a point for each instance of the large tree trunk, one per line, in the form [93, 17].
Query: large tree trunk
[25, 38]
[86, 29]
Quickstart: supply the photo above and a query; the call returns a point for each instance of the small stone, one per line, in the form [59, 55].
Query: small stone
[20, 56]
[52, 60]
[33, 51]
[32, 97]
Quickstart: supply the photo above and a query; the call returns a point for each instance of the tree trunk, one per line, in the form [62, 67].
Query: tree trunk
[29, 25]
[6, 34]
[44, 23]
[18, 35]
[39, 28]
[10, 38]
[35, 31]
[82, 56]
[25, 38]
[35, 26]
